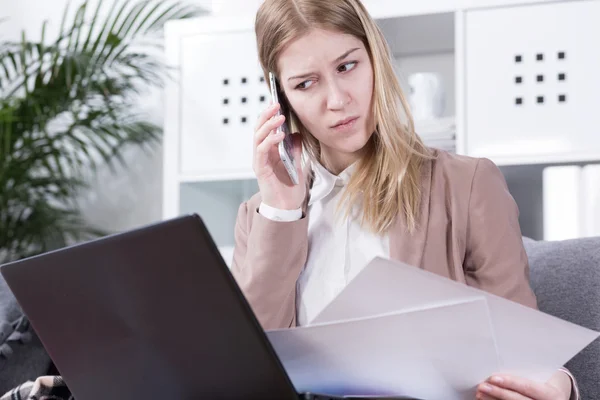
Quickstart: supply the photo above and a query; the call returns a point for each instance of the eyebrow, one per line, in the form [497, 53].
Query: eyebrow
[340, 58]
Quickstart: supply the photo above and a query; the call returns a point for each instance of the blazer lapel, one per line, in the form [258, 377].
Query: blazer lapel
[407, 247]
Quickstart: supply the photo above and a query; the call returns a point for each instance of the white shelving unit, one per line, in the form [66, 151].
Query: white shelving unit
[485, 50]
[541, 107]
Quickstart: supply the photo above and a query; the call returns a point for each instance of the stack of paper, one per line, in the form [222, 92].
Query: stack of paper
[590, 183]
[439, 133]
[571, 201]
[399, 330]
[563, 211]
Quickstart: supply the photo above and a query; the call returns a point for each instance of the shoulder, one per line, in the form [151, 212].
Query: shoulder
[464, 182]
[456, 166]
[461, 174]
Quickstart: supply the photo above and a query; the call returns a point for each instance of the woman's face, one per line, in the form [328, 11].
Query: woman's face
[328, 80]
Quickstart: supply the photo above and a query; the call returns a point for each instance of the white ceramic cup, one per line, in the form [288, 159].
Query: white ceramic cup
[427, 95]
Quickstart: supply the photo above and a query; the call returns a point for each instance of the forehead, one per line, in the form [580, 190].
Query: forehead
[316, 48]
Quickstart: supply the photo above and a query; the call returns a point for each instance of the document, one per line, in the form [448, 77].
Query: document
[399, 330]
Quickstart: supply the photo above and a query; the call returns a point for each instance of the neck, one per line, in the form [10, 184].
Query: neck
[336, 165]
[336, 162]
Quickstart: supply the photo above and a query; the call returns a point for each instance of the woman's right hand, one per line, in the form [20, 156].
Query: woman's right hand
[276, 187]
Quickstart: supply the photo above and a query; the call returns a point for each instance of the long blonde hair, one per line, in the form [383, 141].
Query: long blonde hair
[387, 178]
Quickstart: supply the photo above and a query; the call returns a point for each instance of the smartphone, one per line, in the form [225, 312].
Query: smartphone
[286, 145]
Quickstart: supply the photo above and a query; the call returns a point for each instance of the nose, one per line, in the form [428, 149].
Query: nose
[337, 96]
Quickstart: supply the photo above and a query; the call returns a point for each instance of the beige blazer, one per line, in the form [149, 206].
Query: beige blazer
[468, 231]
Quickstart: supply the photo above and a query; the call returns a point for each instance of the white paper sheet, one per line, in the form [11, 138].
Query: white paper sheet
[396, 329]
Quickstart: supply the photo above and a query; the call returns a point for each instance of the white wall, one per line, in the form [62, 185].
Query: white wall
[129, 197]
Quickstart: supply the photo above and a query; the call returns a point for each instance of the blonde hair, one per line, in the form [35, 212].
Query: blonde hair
[387, 178]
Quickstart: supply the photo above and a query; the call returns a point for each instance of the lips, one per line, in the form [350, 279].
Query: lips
[344, 121]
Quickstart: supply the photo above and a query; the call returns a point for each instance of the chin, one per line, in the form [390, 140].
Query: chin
[357, 141]
[352, 143]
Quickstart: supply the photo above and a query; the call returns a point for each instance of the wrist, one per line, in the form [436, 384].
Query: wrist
[278, 214]
[285, 206]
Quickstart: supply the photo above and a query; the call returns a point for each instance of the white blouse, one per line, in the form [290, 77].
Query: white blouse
[338, 248]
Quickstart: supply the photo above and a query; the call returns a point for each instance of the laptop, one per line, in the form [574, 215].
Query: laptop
[152, 313]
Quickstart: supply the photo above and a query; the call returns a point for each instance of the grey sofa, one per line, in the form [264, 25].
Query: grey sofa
[22, 356]
[565, 276]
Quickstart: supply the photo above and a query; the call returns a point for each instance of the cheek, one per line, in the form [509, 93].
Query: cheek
[364, 97]
[306, 111]
[366, 87]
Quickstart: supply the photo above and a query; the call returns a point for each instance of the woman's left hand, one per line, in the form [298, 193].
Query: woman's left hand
[507, 387]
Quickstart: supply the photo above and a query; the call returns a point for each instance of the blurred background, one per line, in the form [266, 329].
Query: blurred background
[116, 114]
[81, 82]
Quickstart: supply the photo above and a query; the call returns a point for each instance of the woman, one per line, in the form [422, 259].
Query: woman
[370, 186]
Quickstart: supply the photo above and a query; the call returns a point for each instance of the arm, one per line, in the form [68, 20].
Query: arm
[267, 260]
[495, 260]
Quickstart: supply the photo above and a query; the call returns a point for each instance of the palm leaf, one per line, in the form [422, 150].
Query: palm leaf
[68, 105]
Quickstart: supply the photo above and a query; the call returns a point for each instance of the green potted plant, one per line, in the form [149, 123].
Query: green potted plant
[67, 106]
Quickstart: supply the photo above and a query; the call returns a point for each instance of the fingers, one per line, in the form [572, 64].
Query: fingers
[265, 115]
[263, 140]
[481, 396]
[487, 391]
[526, 387]
[266, 129]
[266, 145]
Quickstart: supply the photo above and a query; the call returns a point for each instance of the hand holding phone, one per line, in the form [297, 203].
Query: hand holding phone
[276, 164]
[285, 146]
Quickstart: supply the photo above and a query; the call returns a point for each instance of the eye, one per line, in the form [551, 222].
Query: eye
[304, 85]
[347, 66]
